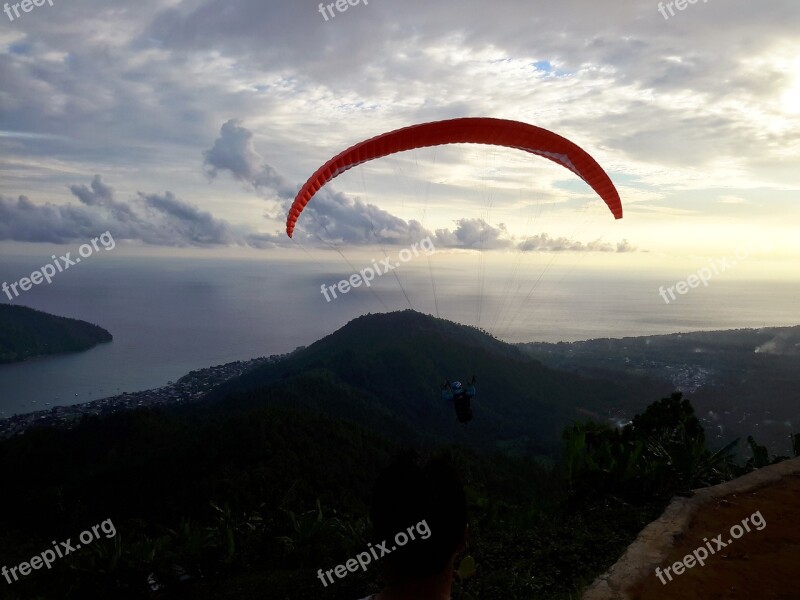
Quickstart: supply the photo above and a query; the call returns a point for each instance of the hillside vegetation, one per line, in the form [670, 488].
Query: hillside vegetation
[740, 381]
[383, 372]
[248, 494]
[26, 333]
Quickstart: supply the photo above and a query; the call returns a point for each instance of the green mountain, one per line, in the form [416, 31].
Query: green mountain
[247, 494]
[26, 333]
[384, 372]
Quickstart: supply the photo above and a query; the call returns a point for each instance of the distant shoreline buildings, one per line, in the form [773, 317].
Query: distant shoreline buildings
[189, 388]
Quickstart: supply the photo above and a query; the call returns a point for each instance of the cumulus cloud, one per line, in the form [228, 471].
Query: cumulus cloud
[234, 151]
[543, 242]
[23, 221]
[474, 234]
[332, 217]
[101, 195]
[187, 222]
[162, 219]
[136, 98]
[626, 246]
[156, 219]
[336, 218]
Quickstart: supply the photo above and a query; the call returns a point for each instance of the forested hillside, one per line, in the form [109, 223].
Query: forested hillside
[26, 333]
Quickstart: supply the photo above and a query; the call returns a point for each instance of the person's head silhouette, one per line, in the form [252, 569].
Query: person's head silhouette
[428, 506]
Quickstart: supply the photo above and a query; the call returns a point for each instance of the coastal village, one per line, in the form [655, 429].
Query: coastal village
[189, 388]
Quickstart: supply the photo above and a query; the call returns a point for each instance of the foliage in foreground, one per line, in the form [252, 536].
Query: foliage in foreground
[250, 506]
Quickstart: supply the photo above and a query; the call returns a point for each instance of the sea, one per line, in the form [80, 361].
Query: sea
[169, 316]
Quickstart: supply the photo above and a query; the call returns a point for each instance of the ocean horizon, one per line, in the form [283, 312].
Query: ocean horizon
[172, 316]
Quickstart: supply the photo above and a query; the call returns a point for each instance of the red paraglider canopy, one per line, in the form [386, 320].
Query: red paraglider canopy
[470, 130]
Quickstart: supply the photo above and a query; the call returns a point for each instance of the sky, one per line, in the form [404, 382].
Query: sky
[187, 127]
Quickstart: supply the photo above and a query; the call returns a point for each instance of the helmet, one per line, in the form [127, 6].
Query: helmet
[456, 386]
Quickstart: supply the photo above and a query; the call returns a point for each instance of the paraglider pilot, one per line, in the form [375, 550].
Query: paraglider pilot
[461, 396]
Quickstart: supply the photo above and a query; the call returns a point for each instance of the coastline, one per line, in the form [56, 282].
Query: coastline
[191, 387]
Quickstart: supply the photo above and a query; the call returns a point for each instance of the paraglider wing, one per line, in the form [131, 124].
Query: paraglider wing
[470, 130]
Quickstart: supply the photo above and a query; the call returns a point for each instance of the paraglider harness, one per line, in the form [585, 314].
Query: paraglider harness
[461, 398]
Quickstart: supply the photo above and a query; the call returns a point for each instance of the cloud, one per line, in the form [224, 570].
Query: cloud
[187, 223]
[99, 195]
[234, 151]
[265, 240]
[23, 221]
[625, 246]
[332, 217]
[693, 103]
[474, 234]
[335, 218]
[102, 195]
[544, 243]
[153, 219]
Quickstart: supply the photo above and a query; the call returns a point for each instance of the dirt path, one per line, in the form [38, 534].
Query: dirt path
[760, 565]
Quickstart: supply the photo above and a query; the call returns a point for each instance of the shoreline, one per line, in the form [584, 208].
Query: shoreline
[189, 388]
